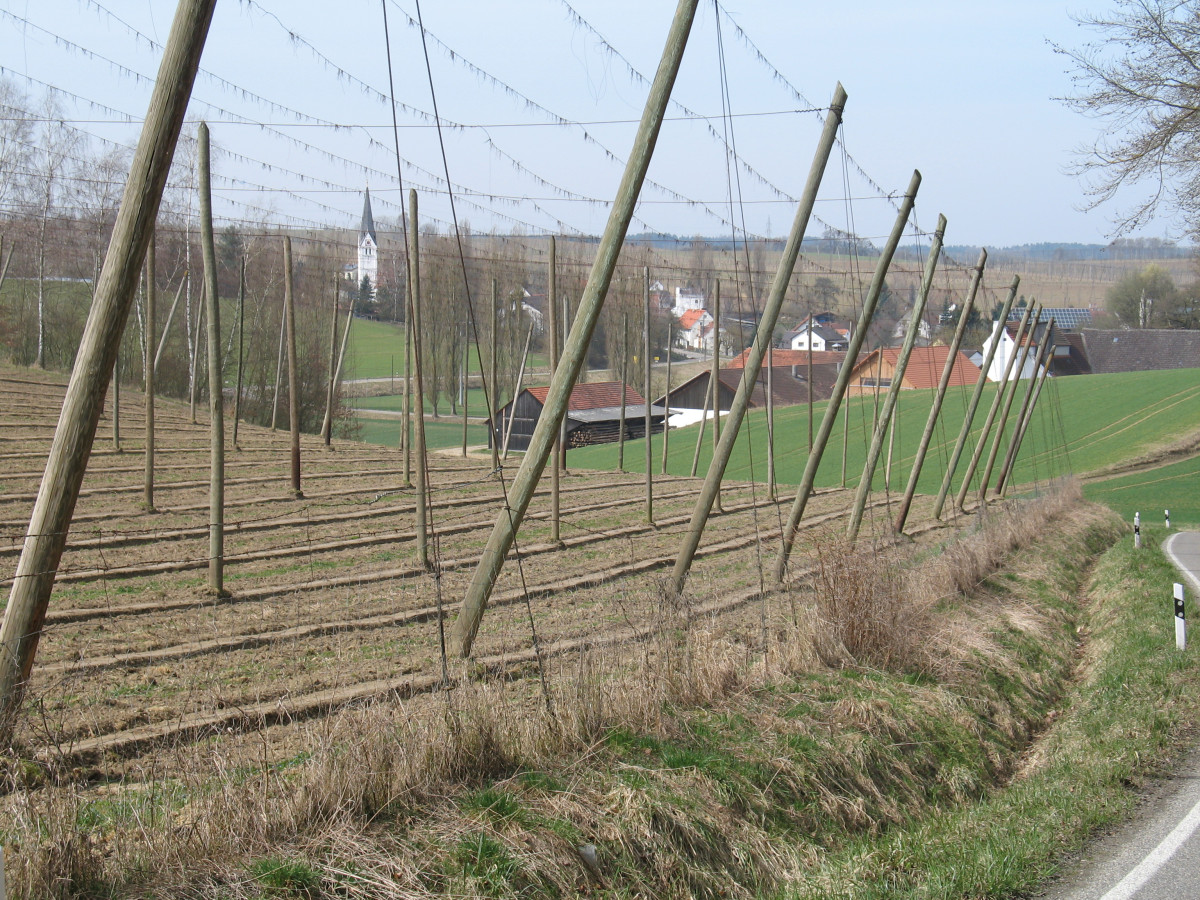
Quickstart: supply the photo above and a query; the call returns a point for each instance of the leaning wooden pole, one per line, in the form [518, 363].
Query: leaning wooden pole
[414, 313]
[839, 389]
[84, 400]
[216, 381]
[969, 418]
[771, 418]
[289, 301]
[884, 423]
[997, 402]
[151, 332]
[509, 520]
[647, 392]
[512, 405]
[7, 260]
[241, 317]
[940, 396]
[279, 365]
[716, 384]
[1040, 360]
[708, 393]
[493, 385]
[667, 403]
[552, 312]
[341, 358]
[326, 431]
[162, 341]
[624, 378]
[406, 425]
[762, 340]
[1019, 438]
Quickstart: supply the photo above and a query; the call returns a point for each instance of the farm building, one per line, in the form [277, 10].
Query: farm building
[1008, 346]
[788, 388]
[1140, 350]
[593, 415]
[877, 369]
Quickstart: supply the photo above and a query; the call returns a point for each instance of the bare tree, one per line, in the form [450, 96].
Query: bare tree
[16, 146]
[1141, 78]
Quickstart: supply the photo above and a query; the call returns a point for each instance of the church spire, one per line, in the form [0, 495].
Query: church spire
[368, 220]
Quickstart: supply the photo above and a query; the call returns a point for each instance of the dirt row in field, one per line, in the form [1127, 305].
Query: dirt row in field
[329, 603]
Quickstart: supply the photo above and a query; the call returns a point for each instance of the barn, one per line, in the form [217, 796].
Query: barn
[593, 415]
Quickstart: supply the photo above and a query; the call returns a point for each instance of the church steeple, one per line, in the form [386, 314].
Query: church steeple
[368, 220]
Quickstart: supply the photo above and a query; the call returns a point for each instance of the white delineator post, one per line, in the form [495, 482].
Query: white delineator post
[1167, 518]
[1137, 531]
[1180, 623]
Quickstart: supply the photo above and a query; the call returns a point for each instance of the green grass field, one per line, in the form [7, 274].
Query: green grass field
[1175, 487]
[395, 403]
[1081, 424]
[438, 435]
[376, 350]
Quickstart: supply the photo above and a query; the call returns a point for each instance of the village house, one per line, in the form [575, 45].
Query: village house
[877, 370]
[593, 416]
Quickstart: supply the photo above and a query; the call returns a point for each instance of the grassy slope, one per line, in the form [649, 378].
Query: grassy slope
[1105, 419]
[1150, 492]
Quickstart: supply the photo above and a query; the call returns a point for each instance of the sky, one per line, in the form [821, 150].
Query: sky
[548, 93]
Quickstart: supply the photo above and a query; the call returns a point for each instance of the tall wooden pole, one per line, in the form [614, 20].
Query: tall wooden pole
[84, 401]
[241, 317]
[716, 384]
[762, 340]
[493, 382]
[1019, 434]
[648, 393]
[771, 419]
[624, 376]
[940, 396]
[326, 430]
[216, 381]
[116, 429]
[151, 336]
[574, 353]
[341, 358]
[839, 388]
[552, 311]
[466, 387]
[289, 300]
[893, 394]
[997, 401]
[667, 400]
[279, 363]
[708, 403]
[414, 297]
[1039, 358]
[969, 418]
[409, 337]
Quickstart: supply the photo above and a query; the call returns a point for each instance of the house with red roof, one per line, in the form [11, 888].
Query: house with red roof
[593, 416]
[877, 370]
[695, 326]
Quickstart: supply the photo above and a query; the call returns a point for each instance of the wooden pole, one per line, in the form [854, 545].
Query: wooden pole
[289, 301]
[980, 383]
[771, 419]
[241, 317]
[406, 435]
[703, 425]
[716, 384]
[279, 364]
[667, 401]
[575, 351]
[762, 340]
[151, 333]
[167, 328]
[1039, 361]
[84, 401]
[839, 388]
[493, 382]
[997, 402]
[341, 358]
[333, 334]
[466, 388]
[414, 297]
[648, 393]
[1019, 438]
[7, 260]
[940, 396]
[116, 428]
[893, 394]
[216, 381]
[555, 467]
[512, 406]
[624, 375]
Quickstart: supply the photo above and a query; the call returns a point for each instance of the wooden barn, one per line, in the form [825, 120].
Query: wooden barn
[788, 386]
[877, 369]
[593, 415]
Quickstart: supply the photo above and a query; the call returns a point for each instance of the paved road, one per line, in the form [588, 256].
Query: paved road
[1155, 856]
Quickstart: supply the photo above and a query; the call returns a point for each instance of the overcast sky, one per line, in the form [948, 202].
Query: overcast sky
[965, 92]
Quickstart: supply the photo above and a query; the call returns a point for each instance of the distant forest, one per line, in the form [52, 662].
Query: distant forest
[840, 242]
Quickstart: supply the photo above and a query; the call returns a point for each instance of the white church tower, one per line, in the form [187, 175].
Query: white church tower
[368, 247]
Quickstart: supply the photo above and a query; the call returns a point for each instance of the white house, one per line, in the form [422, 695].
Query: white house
[687, 299]
[694, 328]
[1008, 347]
[821, 337]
